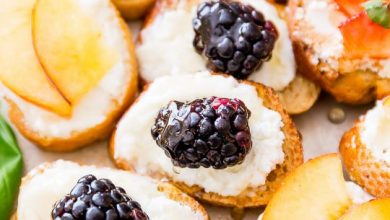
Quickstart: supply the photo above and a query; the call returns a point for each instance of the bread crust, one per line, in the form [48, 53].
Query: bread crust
[362, 167]
[298, 97]
[133, 9]
[357, 87]
[250, 197]
[81, 138]
[169, 190]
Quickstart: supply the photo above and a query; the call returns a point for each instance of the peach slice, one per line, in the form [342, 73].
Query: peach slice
[376, 209]
[20, 69]
[386, 101]
[315, 190]
[71, 46]
[364, 38]
[351, 7]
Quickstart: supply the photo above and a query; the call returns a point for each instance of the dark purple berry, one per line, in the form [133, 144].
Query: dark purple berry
[79, 209]
[213, 132]
[112, 215]
[225, 48]
[234, 37]
[94, 213]
[93, 199]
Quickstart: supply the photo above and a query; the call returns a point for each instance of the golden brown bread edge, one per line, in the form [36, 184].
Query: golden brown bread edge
[251, 197]
[358, 87]
[90, 135]
[298, 97]
[169, 190]
[133, 9]
[362, 167]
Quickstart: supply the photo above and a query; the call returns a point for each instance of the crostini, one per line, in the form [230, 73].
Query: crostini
[338, 45]
[315, 190]
[245, 38]
[133, 9]
[67, 190]
[67, 79]
[366, 151]
[221, 140]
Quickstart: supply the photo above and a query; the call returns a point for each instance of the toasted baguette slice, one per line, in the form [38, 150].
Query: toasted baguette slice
[365, 151]
[274, 153]
[94, 116]
[169, 17]
[133, 9]
[50, 182]
[318, 48]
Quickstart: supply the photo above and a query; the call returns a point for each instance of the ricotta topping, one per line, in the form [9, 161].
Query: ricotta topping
[38, 195]
[135, 145]
[357, 194]
[316, 25]
[167, 48]
[375, 130]
[93, 108]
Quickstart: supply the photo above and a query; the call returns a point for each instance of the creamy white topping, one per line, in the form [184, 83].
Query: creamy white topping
[39, 194]
[134, 143]
[167, 48]
[101, 100]
[385, 71]
[375, 130]
[355, 192]
[317, 24]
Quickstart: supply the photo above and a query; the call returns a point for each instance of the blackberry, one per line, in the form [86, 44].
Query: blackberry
[234, 37]
[93, 199]
[209, 132]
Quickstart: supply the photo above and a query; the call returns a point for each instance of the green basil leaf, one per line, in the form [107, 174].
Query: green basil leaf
[11, 167]
[378, 12]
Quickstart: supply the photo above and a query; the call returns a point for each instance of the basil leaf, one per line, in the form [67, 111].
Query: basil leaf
[378, 12]
[11, 167]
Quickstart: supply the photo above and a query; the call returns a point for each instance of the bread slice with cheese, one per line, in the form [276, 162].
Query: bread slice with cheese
[345, 53]
[165, 47]
[133, 9]
[276, 144]
[366, 152]
[50, 182]
[90, 61]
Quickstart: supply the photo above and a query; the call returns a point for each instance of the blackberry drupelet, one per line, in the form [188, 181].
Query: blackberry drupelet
[93, 199]
[235, 37]
[208, 132]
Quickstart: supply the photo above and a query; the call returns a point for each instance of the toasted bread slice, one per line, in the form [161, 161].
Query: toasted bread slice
[94, 116]
[133, 9]
[299, 95]
[252, 183]
[364, 153]
[318, 48]
[169, 17]
[50, 182]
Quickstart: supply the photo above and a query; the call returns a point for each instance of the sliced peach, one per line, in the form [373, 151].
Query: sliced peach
[351, 7]
[364, 38]
[71, 47]
[374, 210]
[315, 190]
[386, 101]
[20, 69]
